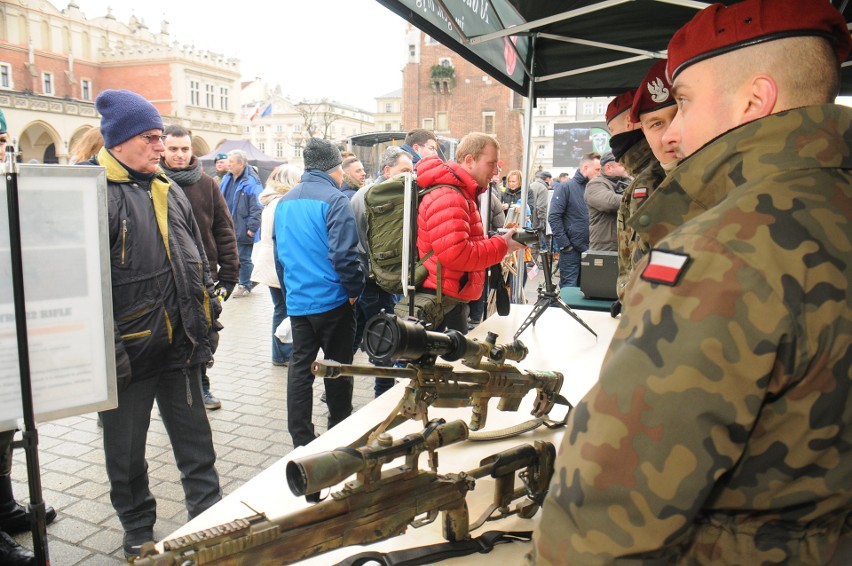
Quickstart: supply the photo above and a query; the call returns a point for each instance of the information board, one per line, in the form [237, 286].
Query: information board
[65, 253]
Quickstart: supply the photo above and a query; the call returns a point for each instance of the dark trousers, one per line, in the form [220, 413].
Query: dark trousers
[246, 266]
[456, 319]
[372, 301]
[333, 331]
[569, 268]
[281, 352]
[178, 395]
[6, 438]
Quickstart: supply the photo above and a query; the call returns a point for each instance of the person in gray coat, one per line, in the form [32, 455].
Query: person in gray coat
[603, 196]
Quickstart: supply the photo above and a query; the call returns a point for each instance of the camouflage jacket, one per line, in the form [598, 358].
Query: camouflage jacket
[720, 430]
[630, 247]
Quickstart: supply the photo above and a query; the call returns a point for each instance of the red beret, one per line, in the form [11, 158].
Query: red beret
[654, 92]
[720, 29]
[619, 104]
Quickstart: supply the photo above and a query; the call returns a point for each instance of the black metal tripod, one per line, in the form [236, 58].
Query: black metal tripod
[549, 295]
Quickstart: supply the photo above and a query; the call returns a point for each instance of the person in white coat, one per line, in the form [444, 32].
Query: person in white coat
[281, 180]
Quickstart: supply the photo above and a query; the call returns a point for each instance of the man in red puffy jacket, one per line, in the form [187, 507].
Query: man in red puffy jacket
[449, 225]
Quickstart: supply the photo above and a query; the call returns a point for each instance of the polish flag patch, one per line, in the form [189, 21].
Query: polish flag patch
[640, 192]
[665, 267]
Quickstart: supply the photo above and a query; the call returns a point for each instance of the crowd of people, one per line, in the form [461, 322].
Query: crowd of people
[726, 198]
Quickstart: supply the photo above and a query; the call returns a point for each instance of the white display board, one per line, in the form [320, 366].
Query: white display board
[65, 253]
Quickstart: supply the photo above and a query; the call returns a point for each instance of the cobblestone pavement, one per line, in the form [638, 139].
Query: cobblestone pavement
[249, 432]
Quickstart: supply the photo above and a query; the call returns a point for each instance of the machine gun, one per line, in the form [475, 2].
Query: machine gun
[390, 338]
[375, 506]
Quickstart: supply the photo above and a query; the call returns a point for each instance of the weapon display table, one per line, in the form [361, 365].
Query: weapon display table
[555, 343]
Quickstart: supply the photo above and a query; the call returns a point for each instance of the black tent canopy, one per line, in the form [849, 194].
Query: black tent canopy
[562, 48]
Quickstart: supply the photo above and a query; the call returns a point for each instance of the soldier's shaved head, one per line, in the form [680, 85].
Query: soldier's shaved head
[805, 70]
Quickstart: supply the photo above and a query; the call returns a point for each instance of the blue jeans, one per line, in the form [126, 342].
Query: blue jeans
[281, 351]
[569, 268]
[371, 303]
[333, 331]
[178, 395]
[246, 265]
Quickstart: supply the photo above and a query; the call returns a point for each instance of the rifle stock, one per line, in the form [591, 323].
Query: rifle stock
[366, 513]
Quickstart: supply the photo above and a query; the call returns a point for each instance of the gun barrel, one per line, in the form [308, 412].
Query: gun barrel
[330, 369]
[318, 471]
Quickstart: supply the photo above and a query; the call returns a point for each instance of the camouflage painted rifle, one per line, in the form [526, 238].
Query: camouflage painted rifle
[375, 506]
[389, 338]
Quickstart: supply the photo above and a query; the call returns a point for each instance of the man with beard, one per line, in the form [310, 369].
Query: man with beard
[353, 176]
[603, 197]
[214, 223]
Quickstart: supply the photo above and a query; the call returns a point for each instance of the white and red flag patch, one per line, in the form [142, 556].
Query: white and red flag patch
[665, 267]
[640, 192]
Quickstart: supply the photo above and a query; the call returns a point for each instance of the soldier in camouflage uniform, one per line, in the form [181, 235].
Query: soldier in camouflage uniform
[720, 431]
[648, 160]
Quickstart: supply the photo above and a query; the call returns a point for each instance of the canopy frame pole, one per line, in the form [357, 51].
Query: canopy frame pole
[520, 276]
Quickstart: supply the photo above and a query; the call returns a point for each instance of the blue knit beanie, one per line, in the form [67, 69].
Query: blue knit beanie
[125, 114]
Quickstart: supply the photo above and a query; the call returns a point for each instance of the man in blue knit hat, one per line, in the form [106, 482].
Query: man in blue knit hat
[163, 306]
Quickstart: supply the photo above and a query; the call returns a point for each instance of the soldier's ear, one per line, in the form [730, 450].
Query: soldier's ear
[761, 98]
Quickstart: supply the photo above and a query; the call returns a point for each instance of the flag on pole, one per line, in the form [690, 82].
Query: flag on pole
[266, 111]
[254, 112]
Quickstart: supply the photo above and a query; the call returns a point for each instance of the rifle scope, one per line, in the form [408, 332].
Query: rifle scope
[388, 338]
[319, 471]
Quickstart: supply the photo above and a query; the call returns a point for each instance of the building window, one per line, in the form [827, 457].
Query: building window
[86, 89]
[261, 146]
[223, 98]
[279, 128]
[412, 50]
[194, 93]
[210, 99]
[388, 127]
[428, 123]
[388, 107]
[563, 109]
[602, 107]
[297, 151]
[246, 129]
[430, 41]
[542, 130]
[542, 110]
[297, 128]
[443, 121]
[47, 83]
[488, 122]
[588, 108]
[261, 129]
[6, 76]
[279, 150]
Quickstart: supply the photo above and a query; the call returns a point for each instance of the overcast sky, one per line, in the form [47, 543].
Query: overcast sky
[348, 50]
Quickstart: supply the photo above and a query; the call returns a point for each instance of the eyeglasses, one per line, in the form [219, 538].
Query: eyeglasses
[152, 138]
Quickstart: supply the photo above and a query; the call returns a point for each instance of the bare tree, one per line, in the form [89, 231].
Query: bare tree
[317, 117]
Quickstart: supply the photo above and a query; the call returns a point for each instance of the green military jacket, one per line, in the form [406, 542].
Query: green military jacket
[648, 174]
[720, 430]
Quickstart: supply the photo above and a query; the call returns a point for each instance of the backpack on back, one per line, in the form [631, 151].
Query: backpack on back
[385, 210]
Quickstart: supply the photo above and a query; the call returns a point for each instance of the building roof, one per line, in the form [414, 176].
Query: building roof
[392, 94]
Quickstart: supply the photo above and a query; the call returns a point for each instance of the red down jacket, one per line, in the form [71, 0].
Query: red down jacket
[449, 224]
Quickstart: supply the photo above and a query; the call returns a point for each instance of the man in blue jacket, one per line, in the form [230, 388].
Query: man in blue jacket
[241, 189]
[569, 220]
[316, 256]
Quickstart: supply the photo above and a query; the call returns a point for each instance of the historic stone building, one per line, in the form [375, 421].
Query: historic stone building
[444, 93]
[53, 64]
[280, 126]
